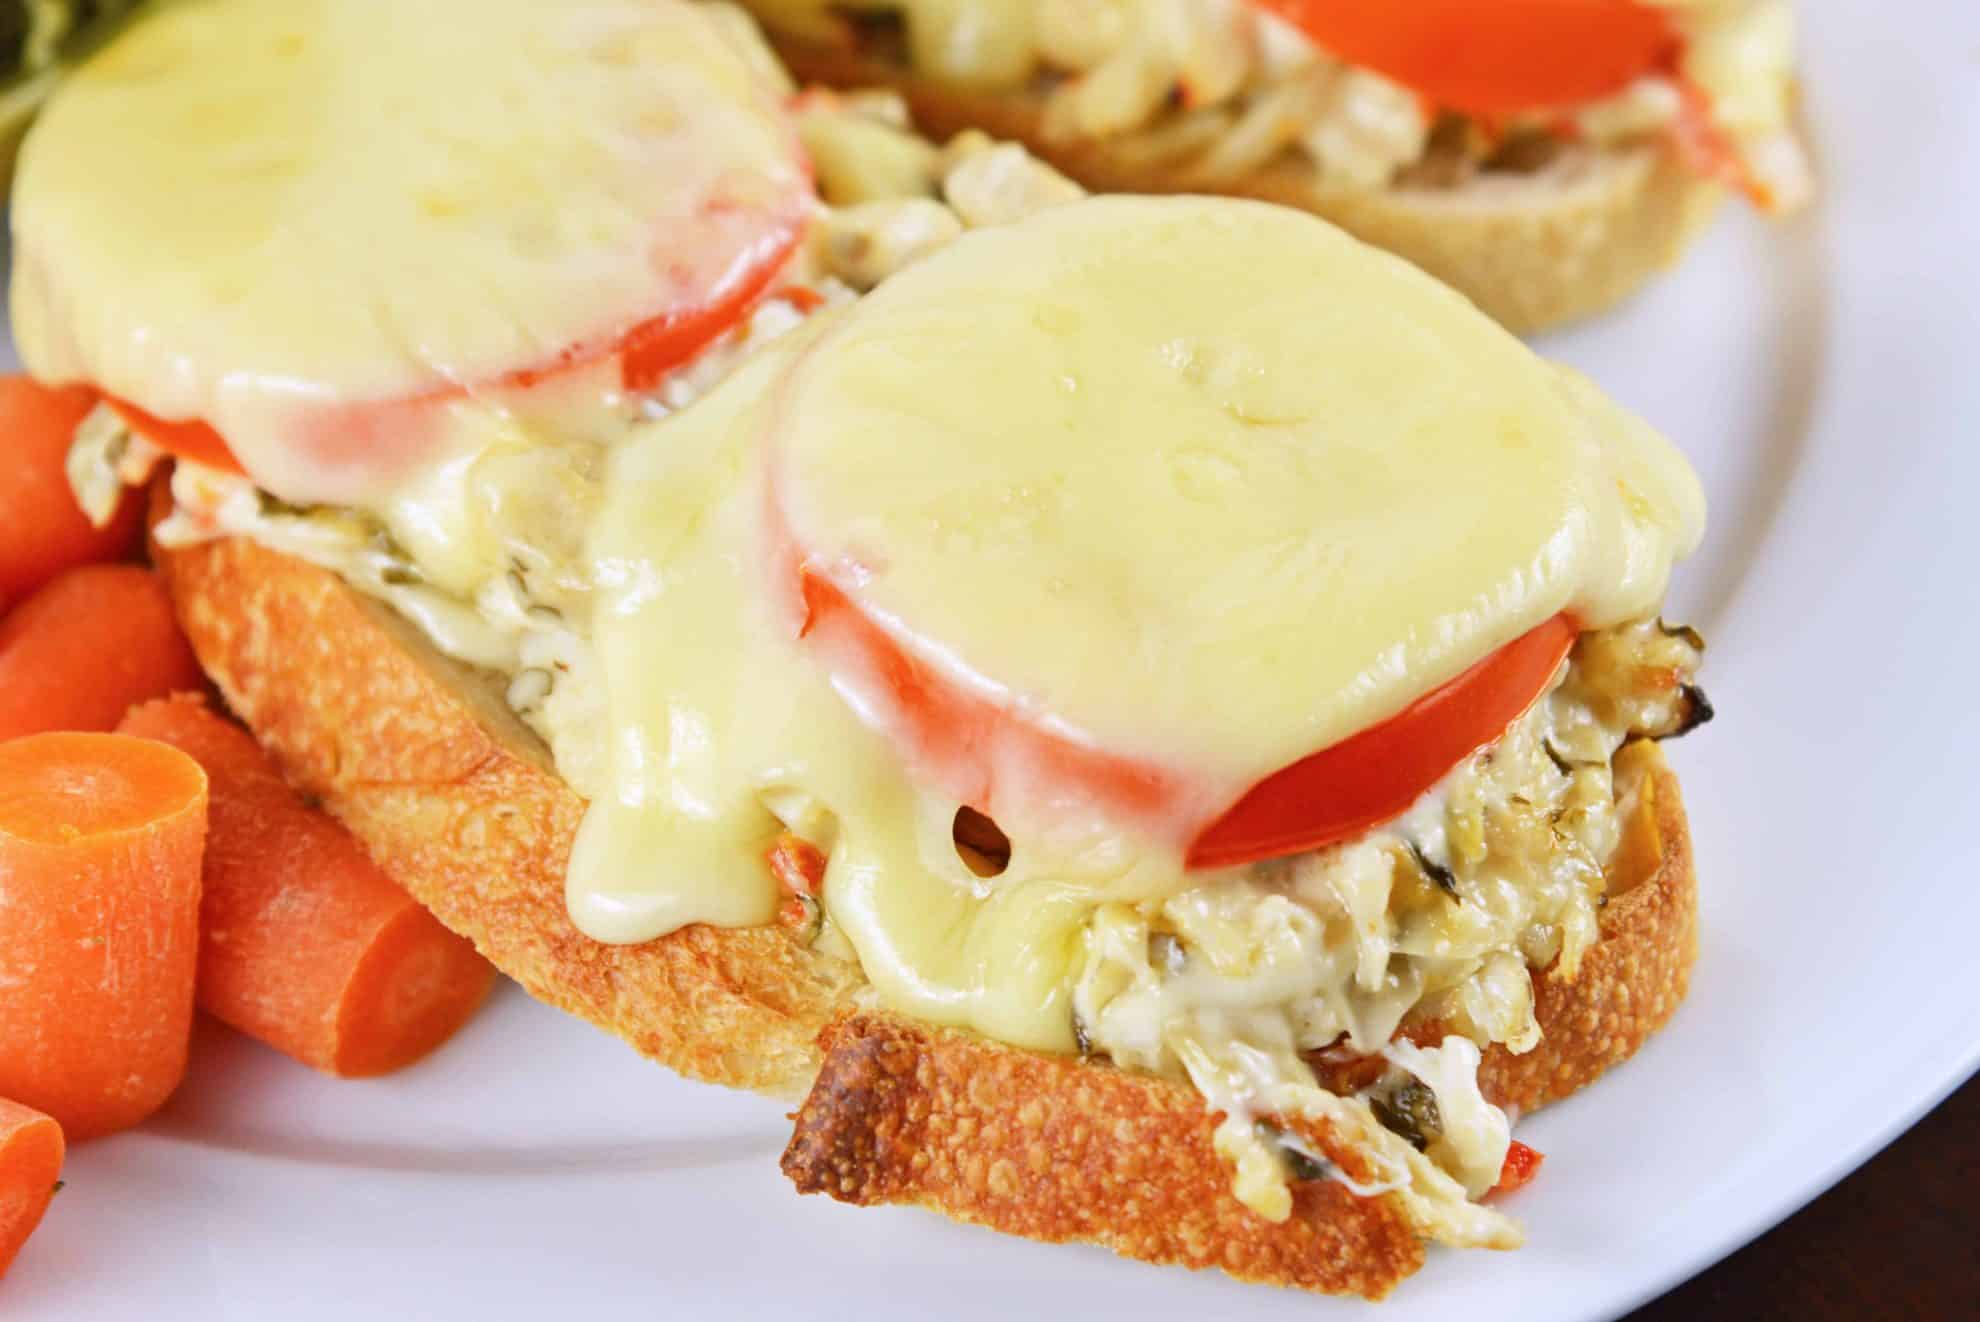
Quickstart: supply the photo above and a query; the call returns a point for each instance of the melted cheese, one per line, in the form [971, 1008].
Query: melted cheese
[1223, 485]
[1184, 527]
[272, 214]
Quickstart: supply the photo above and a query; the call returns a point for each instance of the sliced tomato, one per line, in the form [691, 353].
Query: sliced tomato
[345, 434]
[959, 736]
[191, 439]
[1373, 776]
[1493, 57]
[963, 739]
[653, 349]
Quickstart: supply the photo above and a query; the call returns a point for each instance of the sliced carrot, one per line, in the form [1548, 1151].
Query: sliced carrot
[41, 530]
[100, 842]
[31, 1152]
[305, 943]
[86, 648]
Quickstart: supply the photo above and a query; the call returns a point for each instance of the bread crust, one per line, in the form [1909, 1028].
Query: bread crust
[454, 798]
[1533, 251]
[1055, 1148]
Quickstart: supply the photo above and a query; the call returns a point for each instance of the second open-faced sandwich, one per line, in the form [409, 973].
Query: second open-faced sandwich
[1545, 157]
[1145, 719]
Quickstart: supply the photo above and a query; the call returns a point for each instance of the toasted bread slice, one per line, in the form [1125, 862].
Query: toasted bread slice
[456, 800]
[1532, 249]
[1056, 1148]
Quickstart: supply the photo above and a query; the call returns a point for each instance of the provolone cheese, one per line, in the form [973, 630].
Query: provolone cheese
[1209, 483]
[1200, 477]
[274, 215]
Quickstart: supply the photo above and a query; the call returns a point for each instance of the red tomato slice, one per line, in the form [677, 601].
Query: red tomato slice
[966, 741]
[347, 433]
[959, 737]
[1373, 776]
[1493, 57]
[188, 440]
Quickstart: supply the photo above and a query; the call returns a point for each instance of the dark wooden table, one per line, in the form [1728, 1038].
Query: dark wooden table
[1896, 1240]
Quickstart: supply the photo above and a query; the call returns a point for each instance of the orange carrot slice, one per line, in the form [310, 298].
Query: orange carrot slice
[41, 530]
[87, 647]
[305, 943]
[30, 1167]
[100, 842]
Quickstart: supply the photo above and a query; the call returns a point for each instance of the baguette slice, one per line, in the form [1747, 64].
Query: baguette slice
[1532, 250]
[455, 799]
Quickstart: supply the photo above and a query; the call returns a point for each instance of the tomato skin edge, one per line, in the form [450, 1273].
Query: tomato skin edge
[955, 737]
[191, 439]
[648, 351]
[1502, 58]
[1373, 776]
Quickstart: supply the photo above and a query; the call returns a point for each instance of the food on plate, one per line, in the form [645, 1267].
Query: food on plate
[100, 841]
[304, 943]
[1142, 710]
[78, 653]
[42, 530]
[30, 1173]
[1545, 157]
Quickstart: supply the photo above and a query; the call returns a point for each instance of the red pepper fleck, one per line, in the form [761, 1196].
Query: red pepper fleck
[796, 863]
[1522, 1164]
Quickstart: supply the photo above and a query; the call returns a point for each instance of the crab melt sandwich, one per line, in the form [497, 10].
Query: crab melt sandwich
[1141, 711]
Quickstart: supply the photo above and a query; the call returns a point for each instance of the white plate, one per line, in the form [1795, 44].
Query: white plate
[1823, 378]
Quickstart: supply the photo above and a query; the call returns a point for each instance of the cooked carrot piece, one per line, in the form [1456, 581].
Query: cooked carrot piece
[30, 1165]
[86, 648]
[100, 842]
[41, 530]
[305, 943]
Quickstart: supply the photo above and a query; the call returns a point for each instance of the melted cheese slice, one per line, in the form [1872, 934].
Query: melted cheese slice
[717, 716]
[268, 214]
[1218, 481]
[1210, 484]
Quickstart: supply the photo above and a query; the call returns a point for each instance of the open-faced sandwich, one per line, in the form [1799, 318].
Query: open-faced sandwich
[1141, 712]
[1545, 157]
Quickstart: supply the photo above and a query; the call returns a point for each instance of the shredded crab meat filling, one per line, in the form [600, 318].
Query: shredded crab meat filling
[1242, 983]
[1220, 90]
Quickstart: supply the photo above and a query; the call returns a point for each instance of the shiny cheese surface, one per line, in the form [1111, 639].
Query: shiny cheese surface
[719, 723]
[1209, 483]
[273, 215]
[1213, 481]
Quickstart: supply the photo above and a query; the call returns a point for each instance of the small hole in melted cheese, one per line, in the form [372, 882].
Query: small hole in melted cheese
[980, 843]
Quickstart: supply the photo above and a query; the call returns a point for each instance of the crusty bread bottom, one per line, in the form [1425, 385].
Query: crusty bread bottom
[454, 799]
[1532, 250]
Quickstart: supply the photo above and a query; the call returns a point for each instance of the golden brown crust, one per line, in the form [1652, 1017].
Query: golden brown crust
[436, 778]
[1532, 251]
[1632, 980]
[452, 798]
[1055, 1148]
